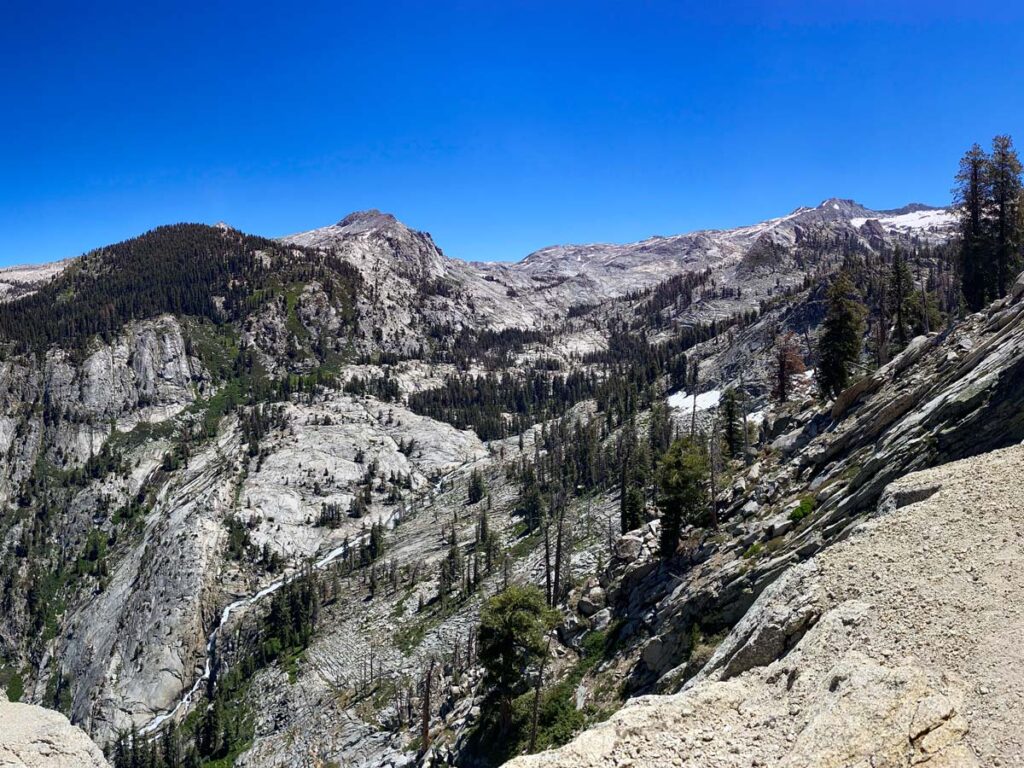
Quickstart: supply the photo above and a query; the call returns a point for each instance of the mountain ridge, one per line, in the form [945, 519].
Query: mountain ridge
[373, 218]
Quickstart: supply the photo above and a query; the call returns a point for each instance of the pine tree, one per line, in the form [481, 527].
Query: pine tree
[660, 428]
[451, 568]
[1004, 185]
[631, 480]
[970, 194]
[170, 746]
[900, 294]
[840, 343]
[211, 734]
[531, 502]
[732, 422]
[682, 495]
[477, 489]
[511, 642]
[376, 542]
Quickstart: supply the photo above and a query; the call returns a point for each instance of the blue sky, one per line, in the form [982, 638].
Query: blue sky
[499, 127]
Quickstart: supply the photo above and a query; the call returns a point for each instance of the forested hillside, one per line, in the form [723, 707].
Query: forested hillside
[186, 269]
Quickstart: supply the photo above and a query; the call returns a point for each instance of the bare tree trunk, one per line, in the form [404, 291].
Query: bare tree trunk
[557, 588]
[695, 384]
[425, 721]
[547, 556]
[536, 698]
[567, 546]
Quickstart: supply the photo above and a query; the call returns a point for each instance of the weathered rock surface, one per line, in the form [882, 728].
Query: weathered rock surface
[33, 737]
[897, 646]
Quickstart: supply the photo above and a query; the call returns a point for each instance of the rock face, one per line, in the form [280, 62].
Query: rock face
[895, 647]
[33, 737]
[22, 280]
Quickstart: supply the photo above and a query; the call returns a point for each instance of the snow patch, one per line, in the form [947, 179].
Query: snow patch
[938, 219]
[756, 417]
[705, 400]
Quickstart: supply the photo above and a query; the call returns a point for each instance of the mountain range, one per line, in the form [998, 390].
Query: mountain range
[237, 478]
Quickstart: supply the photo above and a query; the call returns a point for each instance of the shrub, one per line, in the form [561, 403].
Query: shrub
[807, 505]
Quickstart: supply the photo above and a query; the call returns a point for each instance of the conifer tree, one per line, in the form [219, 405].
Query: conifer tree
[970, 195]
[511, 642]
[840, 343]
[900, 294]
[732, 422]
[631, 482]
[477, 489]
[1004, 185]
[531, 502]
[682, 494]
[660, 428]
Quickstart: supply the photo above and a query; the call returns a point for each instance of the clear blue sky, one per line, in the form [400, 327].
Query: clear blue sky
[500, 127]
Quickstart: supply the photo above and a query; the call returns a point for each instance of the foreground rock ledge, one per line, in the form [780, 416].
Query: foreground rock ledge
[35, 737]
[903, 648]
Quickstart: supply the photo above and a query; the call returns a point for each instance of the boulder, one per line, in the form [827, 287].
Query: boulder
[33, 737]
[628, 547]
[591, 602]
[779, 525]
[791, 442]
[600, 620]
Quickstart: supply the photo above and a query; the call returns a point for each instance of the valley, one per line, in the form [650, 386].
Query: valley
[257, 508]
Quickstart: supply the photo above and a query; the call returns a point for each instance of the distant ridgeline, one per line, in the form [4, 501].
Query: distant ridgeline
[183, 269]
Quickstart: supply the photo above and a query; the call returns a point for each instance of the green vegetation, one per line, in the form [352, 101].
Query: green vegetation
[806, 506]
[842, 337]
[682, 496]
[990, 194]
[558, 719]
[513, 624]
[477, 488]
[183, 269]
[12, 682]
[619, 379]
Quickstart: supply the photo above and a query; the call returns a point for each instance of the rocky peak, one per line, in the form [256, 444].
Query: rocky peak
[911, 208]
[375, 238]
[362, 221]
[834, 209]
[845, 205]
